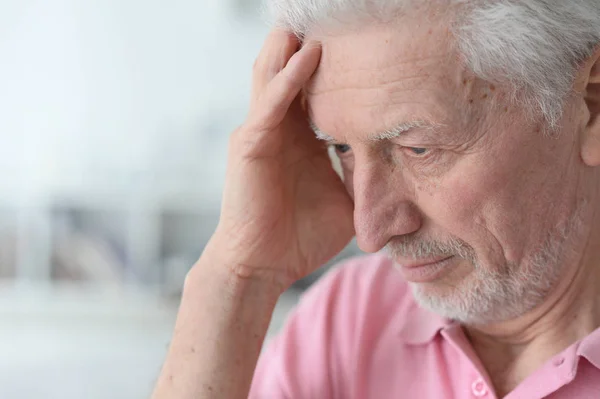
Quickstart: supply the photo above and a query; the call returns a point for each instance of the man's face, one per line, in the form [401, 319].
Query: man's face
[473, 200]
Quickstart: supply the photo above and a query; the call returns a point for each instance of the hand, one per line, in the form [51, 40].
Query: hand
[285, 211]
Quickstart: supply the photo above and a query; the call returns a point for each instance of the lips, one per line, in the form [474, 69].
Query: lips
[412, 263]
[425, 270]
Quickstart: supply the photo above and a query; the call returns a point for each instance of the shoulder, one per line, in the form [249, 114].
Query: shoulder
[364, 287]
[359, 306]
[360, 302]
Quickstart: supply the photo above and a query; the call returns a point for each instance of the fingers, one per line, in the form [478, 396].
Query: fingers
[284, 87]
[279, 47]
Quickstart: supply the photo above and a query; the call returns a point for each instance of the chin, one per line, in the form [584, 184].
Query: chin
[450, 305]
[480, 298]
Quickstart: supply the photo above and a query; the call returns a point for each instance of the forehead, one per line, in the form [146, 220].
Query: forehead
[382, 75]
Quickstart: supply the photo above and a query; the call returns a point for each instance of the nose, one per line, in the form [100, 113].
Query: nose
[383, 205]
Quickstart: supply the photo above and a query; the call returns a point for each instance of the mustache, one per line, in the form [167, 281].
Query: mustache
[415, 247]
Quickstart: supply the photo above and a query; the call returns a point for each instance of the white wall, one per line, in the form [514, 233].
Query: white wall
[108, 104]
[117, 104]
[118, 95]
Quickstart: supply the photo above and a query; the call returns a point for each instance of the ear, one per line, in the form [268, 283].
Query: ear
[590, 151]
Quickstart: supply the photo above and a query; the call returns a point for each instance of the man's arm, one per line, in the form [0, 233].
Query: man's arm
[285, 212]
[218, 336]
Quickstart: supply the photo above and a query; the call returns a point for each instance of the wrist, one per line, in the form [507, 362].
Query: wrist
[223, 318]
[221, 258]
[235, 279]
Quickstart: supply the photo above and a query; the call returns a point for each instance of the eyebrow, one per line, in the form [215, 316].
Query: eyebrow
[388, 134]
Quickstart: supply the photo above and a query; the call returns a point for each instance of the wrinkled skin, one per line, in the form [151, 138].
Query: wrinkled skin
[522, 199]
[489, 177]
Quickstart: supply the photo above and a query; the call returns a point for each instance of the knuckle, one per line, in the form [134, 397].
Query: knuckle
[240, 137]
[236, 143]
[245, 145]
[236, 133]
[253, 127]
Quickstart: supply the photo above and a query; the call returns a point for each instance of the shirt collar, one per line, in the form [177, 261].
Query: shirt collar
[590, 348]
[421, 326]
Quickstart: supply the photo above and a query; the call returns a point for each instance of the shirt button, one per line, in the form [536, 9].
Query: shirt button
[559, 361]
[479, 388]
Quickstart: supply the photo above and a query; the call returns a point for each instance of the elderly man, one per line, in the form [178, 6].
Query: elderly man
[469, 137]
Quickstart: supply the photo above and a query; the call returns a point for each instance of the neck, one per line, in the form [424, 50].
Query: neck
[514, 349]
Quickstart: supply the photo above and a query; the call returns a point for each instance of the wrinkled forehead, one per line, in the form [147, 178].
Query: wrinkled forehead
[388, 72]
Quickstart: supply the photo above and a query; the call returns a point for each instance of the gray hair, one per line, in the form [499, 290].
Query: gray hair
[536, 46]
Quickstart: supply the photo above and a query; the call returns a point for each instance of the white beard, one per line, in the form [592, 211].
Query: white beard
[487, 297]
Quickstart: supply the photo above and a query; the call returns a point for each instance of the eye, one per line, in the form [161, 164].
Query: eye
[342, 148]
[417, 150]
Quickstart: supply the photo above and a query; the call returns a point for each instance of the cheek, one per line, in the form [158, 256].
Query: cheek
[476, 208]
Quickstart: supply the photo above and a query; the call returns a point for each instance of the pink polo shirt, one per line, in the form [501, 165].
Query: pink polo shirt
[358, 334]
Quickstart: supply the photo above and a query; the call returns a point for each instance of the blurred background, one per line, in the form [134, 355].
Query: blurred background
[114, 119]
